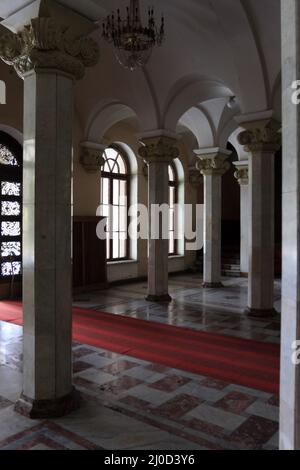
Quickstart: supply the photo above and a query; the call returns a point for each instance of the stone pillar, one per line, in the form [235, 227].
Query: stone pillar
[48, 55]
[242, 176]
[158, 153]
[262, 140]
[212, 165]
[290, 310]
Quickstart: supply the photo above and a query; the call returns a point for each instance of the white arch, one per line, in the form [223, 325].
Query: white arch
[107, 114]
[233, 139]
[133, 165]
[198, 123]
[189, 92]
[15, 133]
[181, 201]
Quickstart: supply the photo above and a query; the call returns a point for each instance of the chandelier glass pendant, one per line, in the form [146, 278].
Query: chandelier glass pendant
[133, 42]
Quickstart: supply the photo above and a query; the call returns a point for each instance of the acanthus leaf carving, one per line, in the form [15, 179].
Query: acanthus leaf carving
[45, 44]
[162, 149]
[213, 164]
[260, 136]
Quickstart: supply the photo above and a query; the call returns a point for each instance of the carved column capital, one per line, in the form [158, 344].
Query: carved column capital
[160, 149]
[242, 173]
[91, 159]
[47, 44]
[260, 136]
[213, 164]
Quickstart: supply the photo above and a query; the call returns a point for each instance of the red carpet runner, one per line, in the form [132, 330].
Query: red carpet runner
[234, 360]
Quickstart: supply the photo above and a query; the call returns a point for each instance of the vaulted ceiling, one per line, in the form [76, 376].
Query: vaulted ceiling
[214, 49]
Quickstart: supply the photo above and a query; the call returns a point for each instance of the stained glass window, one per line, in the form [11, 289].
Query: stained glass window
[114, 203]
[10, 229]
[10, 249]
[10, 208]
[7, 157]
[10, 189]
[9, 269]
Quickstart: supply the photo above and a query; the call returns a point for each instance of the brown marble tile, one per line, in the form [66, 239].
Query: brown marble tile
[177, 406]
[170, 383]
[235, 402]
[254, 433]
[80, 366]
[81, 382]
[41, 440]
[119, 367]
[157, 368]
[120, 385]
[203, 426]
[137, 403]
[78, 353]
[213, 383]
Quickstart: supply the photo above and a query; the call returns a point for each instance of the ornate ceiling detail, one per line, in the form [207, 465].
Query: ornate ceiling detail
[45, 44]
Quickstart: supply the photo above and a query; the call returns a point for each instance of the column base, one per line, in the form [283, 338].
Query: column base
[212, 285]
[260, 313]
[45, 409]
[159, 298]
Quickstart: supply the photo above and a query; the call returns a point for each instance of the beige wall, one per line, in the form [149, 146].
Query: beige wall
[11, 113]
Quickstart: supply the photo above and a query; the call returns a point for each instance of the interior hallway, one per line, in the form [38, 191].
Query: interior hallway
[133, 404]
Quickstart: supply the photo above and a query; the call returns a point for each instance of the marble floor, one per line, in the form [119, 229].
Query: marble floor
[130, 404]
[212, 310]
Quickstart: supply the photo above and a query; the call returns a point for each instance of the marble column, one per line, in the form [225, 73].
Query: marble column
[290, 309]
[212, 165]
[262, 140]
[49, 56]
[242, 176]
[158, 153]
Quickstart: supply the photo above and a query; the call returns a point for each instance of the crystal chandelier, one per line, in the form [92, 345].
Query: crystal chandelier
[132, 41]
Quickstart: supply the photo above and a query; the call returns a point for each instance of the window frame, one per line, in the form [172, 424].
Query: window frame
[174, 184]
[12, 174]
[111, 178]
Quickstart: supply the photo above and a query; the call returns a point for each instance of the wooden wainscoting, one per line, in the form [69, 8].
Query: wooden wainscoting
[89, 256]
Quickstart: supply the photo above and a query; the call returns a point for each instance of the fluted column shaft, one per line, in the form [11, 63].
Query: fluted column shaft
[262, 140]
[158, 153]
[212, 166]
[242, 176]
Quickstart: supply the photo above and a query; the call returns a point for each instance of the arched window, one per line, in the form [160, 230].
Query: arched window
[173, 199]
[10, 208]
[114, 202]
